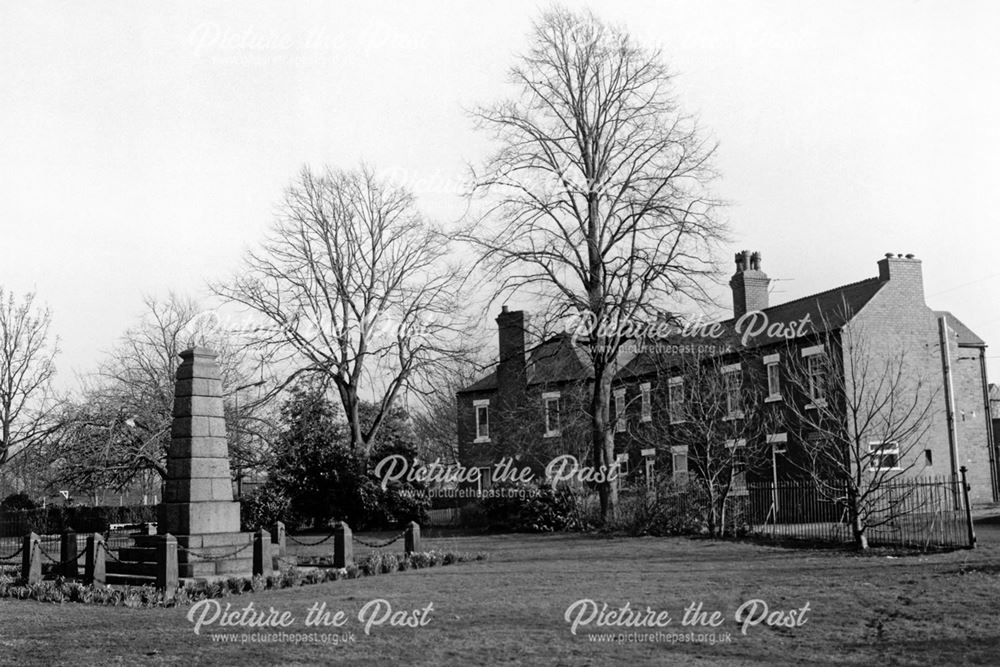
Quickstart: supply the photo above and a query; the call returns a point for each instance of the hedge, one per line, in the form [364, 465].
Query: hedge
[80, 519]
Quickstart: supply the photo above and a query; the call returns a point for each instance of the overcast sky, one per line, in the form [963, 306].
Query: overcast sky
[145, 145]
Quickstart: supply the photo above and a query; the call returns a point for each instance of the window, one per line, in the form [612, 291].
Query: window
[482, 420]
[731, 387]
[679, 462]
[928, 457]
[816, 369]
[773, 377]
[647, 408]
[622, 462]
[884, 455]
[621, 419]
[551, 402]
[675, 396]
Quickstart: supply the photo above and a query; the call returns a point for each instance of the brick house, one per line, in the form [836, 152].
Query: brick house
[527, 402]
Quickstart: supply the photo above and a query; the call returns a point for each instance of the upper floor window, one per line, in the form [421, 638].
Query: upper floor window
[731, 385]
[773, 377]
[620, 416]
[647, 407]
[482, 408]
[675, 398]
[552, 424]
[816, 371]
[883, 455]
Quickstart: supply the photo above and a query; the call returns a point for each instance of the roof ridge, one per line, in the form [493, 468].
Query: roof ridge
[816, 295]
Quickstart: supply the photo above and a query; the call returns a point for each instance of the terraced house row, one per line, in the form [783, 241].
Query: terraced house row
[774, 381]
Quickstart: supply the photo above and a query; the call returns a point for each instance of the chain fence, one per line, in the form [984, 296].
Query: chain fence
[379, 545]
[210, 556]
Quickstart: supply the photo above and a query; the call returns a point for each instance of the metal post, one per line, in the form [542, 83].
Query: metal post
[968, 509]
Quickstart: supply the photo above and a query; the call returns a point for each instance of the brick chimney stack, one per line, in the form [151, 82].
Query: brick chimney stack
[512, 376]
[749, 284]
[904, 272]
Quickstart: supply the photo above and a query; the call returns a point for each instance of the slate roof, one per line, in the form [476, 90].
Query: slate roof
[558, 360]
[827, 311]
[554, 360]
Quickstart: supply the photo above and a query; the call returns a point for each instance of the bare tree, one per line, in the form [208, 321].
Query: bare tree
[353, 285]
[435, 415]
[118, 433]
[711, 406]
[596, 199]
[864, 409]
[27, 366]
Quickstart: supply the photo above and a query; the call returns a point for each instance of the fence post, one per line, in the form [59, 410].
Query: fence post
[343, 546]
[412, 537]
[166, 565]
[94, 571]
[31, 560]
[67, 553]
[968, 509]
[262, 563]
[278, 537]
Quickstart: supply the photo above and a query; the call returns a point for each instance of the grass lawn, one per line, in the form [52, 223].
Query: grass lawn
[936, 609]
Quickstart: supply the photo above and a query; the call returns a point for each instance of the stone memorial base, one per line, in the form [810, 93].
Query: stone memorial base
[210, 554]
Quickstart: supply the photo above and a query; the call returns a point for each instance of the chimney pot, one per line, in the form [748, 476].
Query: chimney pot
[749, 284]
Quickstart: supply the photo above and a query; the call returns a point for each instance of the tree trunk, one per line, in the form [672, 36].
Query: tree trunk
[857, 525]
[603, 445]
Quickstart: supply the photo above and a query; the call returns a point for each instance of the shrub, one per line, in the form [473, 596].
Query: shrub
[60, 590]
[17, 501]
[672, 509]
[325, 479]
[264, 506]
[531, 508]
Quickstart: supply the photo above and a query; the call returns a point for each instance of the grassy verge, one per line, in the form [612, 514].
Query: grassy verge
[922, 609]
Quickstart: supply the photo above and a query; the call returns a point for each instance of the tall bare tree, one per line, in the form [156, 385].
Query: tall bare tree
[118, 432]
[715, 410]
[435, 413]
[865, 409]
[596, 200]
[27, 366]
[354, 285]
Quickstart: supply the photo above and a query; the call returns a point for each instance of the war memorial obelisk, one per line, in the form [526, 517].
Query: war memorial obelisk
[198, 507]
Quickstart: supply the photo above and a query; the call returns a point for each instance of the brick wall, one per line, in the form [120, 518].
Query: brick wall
[898, 320]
